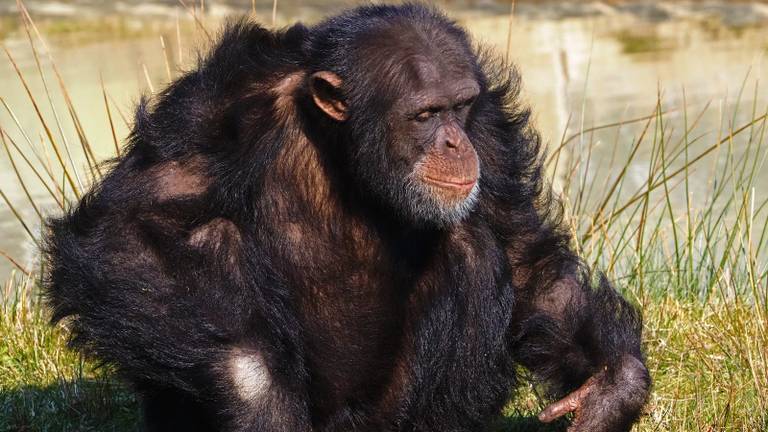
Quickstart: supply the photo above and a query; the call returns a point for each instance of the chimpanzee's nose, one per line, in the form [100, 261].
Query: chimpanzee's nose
[452, 137]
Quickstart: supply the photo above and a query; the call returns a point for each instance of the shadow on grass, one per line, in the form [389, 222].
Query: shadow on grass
[105, 405]
[79, 405]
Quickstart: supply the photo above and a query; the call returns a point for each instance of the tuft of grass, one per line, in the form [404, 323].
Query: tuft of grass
[692, 253]
[44, 385]
[709, 364]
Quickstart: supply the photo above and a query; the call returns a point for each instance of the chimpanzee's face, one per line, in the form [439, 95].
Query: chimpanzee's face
[414, 154]
[441, 169]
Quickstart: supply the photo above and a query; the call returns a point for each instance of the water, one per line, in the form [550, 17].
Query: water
[592, 63]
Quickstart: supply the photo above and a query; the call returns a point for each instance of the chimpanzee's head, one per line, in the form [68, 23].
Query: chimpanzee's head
[401, 86]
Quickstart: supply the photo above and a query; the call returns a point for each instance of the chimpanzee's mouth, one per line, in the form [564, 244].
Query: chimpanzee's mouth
[454, 185]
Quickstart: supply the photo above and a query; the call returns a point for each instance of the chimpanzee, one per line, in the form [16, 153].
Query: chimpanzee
[341, 227]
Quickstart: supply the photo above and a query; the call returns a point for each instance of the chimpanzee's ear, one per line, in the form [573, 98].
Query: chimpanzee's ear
[326, 91]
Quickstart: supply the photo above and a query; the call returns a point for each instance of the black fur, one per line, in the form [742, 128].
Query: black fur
[232, 225]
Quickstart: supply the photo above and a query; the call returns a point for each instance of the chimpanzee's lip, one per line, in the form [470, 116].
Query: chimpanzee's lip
[461, 185]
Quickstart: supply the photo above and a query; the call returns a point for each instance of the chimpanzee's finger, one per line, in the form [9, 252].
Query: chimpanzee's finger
[570, 403]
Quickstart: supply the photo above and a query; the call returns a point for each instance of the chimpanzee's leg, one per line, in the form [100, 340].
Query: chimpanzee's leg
[173, 306]
[243, 395]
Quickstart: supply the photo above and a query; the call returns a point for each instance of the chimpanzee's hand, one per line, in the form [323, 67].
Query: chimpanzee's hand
[610, 401]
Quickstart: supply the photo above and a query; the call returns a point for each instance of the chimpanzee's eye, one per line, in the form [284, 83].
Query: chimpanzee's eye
[423, 116]
[463, 104]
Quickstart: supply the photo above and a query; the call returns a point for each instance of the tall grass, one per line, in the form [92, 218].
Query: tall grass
[696, 263]
[693, 256]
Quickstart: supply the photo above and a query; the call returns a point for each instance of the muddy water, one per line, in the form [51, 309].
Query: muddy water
[586, 68]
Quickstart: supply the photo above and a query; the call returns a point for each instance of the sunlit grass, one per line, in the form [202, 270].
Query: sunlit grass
[697, 263]
[43, 385]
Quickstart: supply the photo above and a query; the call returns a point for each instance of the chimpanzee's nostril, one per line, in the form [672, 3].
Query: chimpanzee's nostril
[451, 143]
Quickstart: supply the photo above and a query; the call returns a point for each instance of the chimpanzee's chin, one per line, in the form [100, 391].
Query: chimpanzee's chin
[426, 207]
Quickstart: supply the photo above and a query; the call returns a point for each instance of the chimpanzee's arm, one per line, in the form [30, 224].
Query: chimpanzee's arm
[564, 330]
[583, 342]
[155, 274]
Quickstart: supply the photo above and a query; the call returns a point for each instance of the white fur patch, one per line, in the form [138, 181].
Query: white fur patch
[249, 374]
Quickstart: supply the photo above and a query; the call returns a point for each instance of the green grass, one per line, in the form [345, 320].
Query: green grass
[43, 385]
[693, 256]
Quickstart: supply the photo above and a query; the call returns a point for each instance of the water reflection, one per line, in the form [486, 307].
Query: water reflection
[581, 67]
